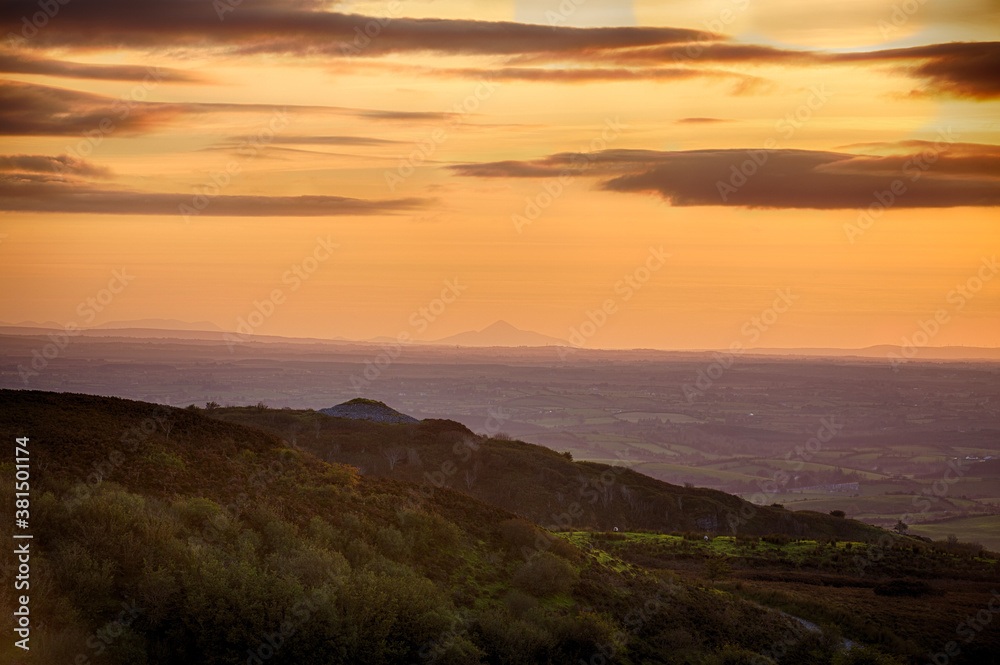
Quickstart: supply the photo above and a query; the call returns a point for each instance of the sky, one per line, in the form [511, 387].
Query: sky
[654, 174]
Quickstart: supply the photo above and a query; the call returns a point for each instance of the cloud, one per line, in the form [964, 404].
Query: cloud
[63, 164]
[303, 28]
[955, 69]
[331, 140]
[36, 110]
[38, 193]
[705, 51]
[701, 121]
[931, 174]
[27, 109]
[25, 64]
[578, 73]
[62, 184]
[742, 82]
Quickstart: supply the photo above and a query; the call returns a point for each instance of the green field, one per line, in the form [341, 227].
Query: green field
[984, 530]
[794, 552]
[665, 471]
[636, 416]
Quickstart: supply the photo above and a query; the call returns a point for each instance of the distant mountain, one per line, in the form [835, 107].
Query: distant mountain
[368, 409]
[501, 333]
[160, 324]
[30, 324]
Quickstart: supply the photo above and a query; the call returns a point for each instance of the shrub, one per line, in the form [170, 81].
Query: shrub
[906, 588]
[518, 533]
[390, 542]
[733, 655]
[311, 566]
[717, 568]
[520, 603]
[433, 538]
[511, 641]
[864, 655]
[580, 638]
[811, 649]
[609, 536]
[545, 574]
[195, 512]
[391, 617]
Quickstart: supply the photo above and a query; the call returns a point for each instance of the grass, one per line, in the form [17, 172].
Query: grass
[984, 530]
[615, 547]
[793, 552]
[636, 416]
[667, 471]
[798, 465]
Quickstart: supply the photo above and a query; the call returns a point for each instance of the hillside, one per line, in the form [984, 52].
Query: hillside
[368, 409]
[544, 486]
[227, 544]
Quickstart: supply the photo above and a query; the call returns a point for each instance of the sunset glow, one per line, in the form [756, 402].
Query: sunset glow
[536, 152]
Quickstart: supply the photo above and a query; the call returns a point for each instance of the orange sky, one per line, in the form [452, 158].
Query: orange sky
[443, 150]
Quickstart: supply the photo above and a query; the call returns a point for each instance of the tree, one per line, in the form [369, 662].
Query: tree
[901, 527]
[838, 513]
[717, 568]
[393, 455]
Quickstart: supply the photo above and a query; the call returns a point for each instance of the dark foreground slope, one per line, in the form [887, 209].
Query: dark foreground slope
[165, 536]
[545, 486]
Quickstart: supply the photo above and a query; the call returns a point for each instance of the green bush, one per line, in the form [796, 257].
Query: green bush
[520, 603]
[388, 619]
[865, 655]
[583, 637]
[733, 655]
[390, 542]
[545, 574]
[509, 641]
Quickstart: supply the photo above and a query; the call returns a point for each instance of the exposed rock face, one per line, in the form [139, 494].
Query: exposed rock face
[368, 409]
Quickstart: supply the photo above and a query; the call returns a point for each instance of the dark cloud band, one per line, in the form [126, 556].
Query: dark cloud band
[933, 175]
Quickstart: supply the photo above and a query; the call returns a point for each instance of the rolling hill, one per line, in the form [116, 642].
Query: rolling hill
[226, 545]
[542, 485]
[228, 542]
[368, 409]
